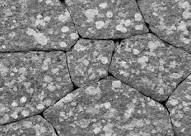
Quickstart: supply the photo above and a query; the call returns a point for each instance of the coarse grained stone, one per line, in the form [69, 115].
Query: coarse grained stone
[89, 60]
[179, 106]
[106, 19]
[31, 82]
[35, 24]
[33, 126]
[170, 20]
[152, 67]
[108, 108]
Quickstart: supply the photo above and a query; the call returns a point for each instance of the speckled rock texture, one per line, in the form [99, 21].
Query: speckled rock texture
[95, 67]
[150, 66]
[35, 24]
[108, 108]
[30, 82]
[107, 18]
[170, 20]
[34, 126]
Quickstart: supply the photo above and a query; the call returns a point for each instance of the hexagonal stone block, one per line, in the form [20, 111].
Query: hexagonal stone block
[35, 24]
[147, 64]
[33, 126]
[170, 20]
[89, 60]
[31, 82]
[107, 18]
[179, 106]
[108, 108]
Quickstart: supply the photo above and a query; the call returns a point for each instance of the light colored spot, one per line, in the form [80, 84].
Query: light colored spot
[103, 5]
[143, 59]
[104, 60]
[116, 84]
[129, 111]
[136, 52]
[127, 22]
[138, 17]
[90, 14]
[63, 44]
[25, 113]
[97, 130]
[14, 115]
[3, 70]
[108, 129]
[92, 90]
[51, 87]
[121, 28]
[109, 14]
[65, 29]
[14, 104]
[74, 36]
[173, 102]
[65, 17]
[79, 47]
[176, 75]
[23, 99]
[40, 106]
[139, 27]
[47, 79]
[107, 105]
[99, 24]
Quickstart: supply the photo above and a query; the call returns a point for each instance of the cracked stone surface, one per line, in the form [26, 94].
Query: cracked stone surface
[108, 108]
[170, 20]
[30, 82]
[150, 66]
[179, 106]
[107, 18]
[39, 24]
[34, 126]
[95, 67]
[89, 60]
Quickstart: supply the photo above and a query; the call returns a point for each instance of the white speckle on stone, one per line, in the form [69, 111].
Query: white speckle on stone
[109, 14]
[121, 28]
[173, 102]
[25, 113]
[74, 36]
[116, 84]
[138, 17]
[90, 14]
[3, 69]
[99, 24]
[79, 47]
[127, 22]
[92, 90]
[143, 59]
[139, 27]
[103, 5]
[40, 106]
[65, 29]
[63, 44]
[47, 79]
[23, 99]
[14, 104]
[65, 17]
[136, 52]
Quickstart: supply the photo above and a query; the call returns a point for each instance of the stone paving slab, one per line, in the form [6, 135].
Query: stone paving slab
[106, 19]
[30, 82]
[35, 24]
[170, 20]
[89, 60]
[34, 126]
[150, 66]
[108, 108]
[179, 106]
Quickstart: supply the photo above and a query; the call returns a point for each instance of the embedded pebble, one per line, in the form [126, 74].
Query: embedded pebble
[150, 66]
[106, 19]
[170, 20]
[31, 82]
[111, 108]
[89, 60]
[179, 106]
[33, 126]
[35, 24]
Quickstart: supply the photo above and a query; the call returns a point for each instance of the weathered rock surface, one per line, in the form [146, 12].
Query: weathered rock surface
[35, 24]
[89, 60]
[34, 126]
[179, 106]
[108, 108]
[30, 82]
[170, 20]
[147, 64]
[107, 18]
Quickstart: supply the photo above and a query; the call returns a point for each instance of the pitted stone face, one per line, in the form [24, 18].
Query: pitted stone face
[36, 24]
[114, 109]
[179, 106]
[31, 82]
[107, 18]
[33, 126]
[150, 66]
[170, 20]
[89, 60]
